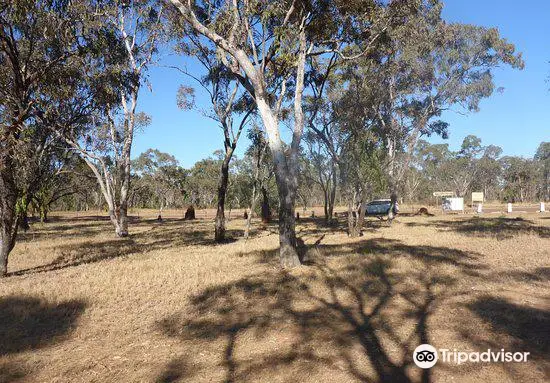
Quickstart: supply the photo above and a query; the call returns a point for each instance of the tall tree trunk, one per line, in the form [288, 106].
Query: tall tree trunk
[7, 242]
[43, 213]
[331, 201]
[287, 229]
[356, 215]
[352, 229]
[123, 219]
[250, 212]
[22, 211]
[23, 220]
[286, 187]
[254, 194]
[222, 190]
[126, 161]
[332, 195]
[393, 202]
[285, 166]
[114, 215]
[361, 218]
[325, 205]
[119, 219]
[266, 210]
[392, 177]
[8, 216]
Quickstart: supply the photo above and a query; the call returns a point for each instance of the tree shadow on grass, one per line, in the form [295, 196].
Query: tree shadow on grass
[83, 226]
[60, 229]
[29, 323]
[162, 236]
[467, 262]
[176, 370]
[540, 274]
[499, 228]
[362, 318]
[521, 328]
[11, 372]
[318, 225]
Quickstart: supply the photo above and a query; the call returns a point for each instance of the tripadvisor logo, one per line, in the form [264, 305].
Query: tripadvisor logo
[426, 356]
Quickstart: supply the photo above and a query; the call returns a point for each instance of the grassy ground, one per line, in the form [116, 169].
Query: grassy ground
[167, 305]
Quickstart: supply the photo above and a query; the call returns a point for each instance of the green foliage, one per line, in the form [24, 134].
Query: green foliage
[159, 180]
[519, 176]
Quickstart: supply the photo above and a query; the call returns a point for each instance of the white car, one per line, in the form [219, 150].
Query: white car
[380, 207]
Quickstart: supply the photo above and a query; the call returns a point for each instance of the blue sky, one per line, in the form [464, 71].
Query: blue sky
[516, 120]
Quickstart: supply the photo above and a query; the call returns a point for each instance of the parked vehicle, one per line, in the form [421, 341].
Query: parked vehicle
[380, 207]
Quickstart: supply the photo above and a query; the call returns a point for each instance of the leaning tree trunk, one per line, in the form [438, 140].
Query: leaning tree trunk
[8, 215]
[219, 234]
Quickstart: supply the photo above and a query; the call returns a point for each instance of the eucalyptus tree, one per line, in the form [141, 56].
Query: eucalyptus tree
[160, 172]
[519, 177]
[489, 173]
[431, 160]
[266, 46]
[427, 66]
[201, 185]
[462, 169]
[261, 172]
[361, 175]
[475, 167]
[542, 157]
[321, 169]
[60, 178]
[39, 41]
[323, 107]
[231, 107]
[133, 31]
[46, 158]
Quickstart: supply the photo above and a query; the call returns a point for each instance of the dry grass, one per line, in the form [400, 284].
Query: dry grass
[168, 305]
